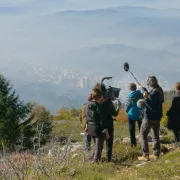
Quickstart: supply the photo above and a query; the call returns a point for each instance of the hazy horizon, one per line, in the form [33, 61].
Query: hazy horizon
[92, 38]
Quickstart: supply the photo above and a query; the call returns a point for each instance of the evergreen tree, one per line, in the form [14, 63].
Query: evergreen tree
[13, 113]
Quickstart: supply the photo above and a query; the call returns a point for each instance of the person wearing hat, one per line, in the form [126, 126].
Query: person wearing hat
[151, 120]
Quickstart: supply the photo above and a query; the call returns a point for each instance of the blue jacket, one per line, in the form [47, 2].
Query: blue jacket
[132, 110]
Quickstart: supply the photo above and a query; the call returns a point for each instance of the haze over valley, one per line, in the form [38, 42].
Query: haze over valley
[54, 51]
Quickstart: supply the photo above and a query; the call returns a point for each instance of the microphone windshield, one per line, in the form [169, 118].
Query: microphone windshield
[126, 66]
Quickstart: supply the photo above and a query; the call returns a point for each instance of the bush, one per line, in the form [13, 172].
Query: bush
[67, 114]
[43, 123]
[164, 120]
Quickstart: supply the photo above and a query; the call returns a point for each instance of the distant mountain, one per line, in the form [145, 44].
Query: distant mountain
[108, 59]
[46, 49]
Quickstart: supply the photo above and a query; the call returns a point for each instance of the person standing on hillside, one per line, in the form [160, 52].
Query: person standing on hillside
[82, 117]
[96, 123]
[152, 116]
[134, 112]
[109, 112]
[174, 115]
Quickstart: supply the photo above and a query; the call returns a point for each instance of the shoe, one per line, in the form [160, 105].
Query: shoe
[154, 157]
[143, 158]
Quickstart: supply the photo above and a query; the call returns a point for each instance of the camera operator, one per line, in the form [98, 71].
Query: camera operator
[96, 124]
[109, 112]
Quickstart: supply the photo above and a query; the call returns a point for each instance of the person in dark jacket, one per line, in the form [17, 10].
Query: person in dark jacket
[96, 123]
[152, 116]
[174, 115]
[109, 112]
[134, 112]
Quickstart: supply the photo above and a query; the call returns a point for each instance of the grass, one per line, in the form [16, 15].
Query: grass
[123, 165]
[123, 154]
[124, 158]
[167, 167]
[66, 128]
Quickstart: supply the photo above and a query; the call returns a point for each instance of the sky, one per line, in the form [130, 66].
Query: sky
[26, 36]
[53, 5]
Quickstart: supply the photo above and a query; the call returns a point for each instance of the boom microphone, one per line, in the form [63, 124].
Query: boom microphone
[126, 68]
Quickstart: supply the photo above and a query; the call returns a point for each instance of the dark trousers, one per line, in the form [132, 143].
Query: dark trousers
[145, 129]
[87, 142]
[109, 146]
[132, 130]
[98, 147]
[177, 135]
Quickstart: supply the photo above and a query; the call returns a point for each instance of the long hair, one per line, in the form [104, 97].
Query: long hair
[177, 86]
[97, 93]
[152, 82]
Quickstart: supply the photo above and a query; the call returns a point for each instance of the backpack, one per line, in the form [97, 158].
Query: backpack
[92, 113]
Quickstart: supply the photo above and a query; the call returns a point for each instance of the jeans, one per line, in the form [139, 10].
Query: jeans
[132, 129]
[109, 146]
[87, 142]
[145, 128]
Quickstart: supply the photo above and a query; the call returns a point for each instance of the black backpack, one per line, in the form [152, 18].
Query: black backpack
[92, 112]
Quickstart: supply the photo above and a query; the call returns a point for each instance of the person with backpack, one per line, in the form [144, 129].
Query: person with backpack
[152, 116]
[96, 123]
[82, 117]
[174, 115]
[134, 112]
[109, 113]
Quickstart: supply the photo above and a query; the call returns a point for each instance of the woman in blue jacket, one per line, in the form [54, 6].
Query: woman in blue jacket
[133, 111]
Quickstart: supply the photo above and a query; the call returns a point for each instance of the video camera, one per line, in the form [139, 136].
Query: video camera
[110, 93]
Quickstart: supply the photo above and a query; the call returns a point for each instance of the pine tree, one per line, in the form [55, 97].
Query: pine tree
[13, 112]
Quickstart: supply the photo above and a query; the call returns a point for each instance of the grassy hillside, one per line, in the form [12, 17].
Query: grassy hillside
[167, 167]
[67, 162]
[66, 128]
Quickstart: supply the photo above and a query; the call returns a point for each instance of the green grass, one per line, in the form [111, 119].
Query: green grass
[124, 158]
[66, 128]
[167, 167]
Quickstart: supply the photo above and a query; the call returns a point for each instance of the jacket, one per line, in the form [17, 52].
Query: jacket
[174, 113]
[109, 112]
[133, 111]
[153, 109]
[95, 118]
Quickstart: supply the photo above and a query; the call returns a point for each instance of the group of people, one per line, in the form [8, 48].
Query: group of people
[143, 107]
